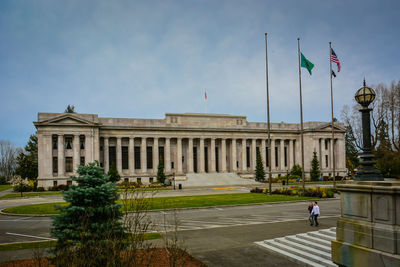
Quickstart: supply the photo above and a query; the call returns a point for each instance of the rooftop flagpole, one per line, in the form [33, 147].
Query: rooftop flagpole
[301, 118]
[269, 151]
[333, 127]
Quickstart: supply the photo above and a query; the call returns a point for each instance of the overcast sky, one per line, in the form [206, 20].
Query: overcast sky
[142, 59]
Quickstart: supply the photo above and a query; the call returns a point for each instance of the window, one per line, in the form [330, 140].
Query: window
[55, 141]
[326, 144]
[139, 180]
[126, 179]
[267, 156]
[69, 183]
[137, 157]
[183, 159]
[54, 183]
[82, 142]
[55, 164]
[248, 157]
[151, 179]
[161, 152]
[112, 156]
[285, 149]
[68, 164]
[149, 157]
[172, 164]
[276, 157]
[68, 142]
[125, 158]
[326, 161]
[82, 161]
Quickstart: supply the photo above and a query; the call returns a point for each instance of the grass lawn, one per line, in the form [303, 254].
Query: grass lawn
[5, 187]
[27, 245]
[174, 202]
[30, 194]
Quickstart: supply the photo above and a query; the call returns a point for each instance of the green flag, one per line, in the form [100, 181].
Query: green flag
[305, 63]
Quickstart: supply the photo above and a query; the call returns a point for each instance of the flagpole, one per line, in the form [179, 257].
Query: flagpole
[301, 117]
[333, 127]
[269, 151]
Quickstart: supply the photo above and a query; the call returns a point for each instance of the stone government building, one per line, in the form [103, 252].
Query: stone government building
[188, 143]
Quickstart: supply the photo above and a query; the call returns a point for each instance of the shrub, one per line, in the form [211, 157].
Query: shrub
[296, 170]
[3, 180]
[62, 187]
[40, 189]
[256, 190]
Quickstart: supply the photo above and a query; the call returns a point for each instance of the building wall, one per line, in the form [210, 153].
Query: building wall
[221, 143]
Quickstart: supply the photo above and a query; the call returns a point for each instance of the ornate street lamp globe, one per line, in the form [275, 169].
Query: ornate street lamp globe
[365, 96]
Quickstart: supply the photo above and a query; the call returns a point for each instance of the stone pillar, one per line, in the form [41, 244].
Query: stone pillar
[273, 159]
[253, 154]
[330, 154]
[88, 148]
[131, 155]
[60, 155]
[156, 157]
[233, 155]
[167, 155]
[223, 155]
[179, 155]
[213, 161]
[291, 158]
[190, 156]
[282, 146]
[244, 158]
[143, 155]
[106, 155]
[264, 160]
[118, 150]
[201, 170]
[76, 155]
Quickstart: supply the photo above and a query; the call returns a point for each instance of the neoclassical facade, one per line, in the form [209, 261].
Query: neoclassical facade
[187, 143]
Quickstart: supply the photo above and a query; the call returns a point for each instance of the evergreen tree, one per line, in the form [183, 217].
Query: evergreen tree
[352, 160]
[385, 157]
[91, 223]
[27, 160]
[315, 171]
[113, 173]
[296, 170]
[260, 173]
[70, 109]
[160, 171]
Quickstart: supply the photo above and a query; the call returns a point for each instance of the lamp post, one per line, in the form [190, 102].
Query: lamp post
[367, 171]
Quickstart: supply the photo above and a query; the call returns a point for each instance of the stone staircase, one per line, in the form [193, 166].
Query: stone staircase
[309, 249]
[216, 179]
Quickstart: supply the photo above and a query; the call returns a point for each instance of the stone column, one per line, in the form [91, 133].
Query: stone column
[143, 155]
[60, 155]
[179, 155]
[212, 148]
[233, 155]
[291, 159]
[88, 148]
[106, 155]
[76, 155]
[272, 152]
[131, 155]
[244, 158]
[167, 155]
[118, 150]
[264, 160]
[190, 156]
[223, 155]
[253, 154]
[331, 143]
[156, 157]
[282, 154]
[201, 155]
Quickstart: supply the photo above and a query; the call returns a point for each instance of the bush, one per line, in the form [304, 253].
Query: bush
[40, 189]
[62, 187]
[3, 180]
[22, 188]
[320, 192]
[258, 190]
[52, 188]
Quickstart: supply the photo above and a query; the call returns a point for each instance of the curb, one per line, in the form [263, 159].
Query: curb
[190, 208]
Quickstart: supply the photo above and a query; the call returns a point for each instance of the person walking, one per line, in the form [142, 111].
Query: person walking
[315, 212]
[310, 217]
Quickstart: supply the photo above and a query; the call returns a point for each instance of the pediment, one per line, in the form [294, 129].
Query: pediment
[67, 119]
[328, 127]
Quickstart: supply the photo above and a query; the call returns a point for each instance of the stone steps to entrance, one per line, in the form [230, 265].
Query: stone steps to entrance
[309, 249]
[216, 179]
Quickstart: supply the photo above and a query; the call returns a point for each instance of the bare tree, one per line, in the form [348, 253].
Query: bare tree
[8, 159]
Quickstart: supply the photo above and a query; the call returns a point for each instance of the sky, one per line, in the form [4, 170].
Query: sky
[142, 59]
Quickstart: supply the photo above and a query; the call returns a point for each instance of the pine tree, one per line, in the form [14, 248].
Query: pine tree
[296, 170]
[315, 172]
[260, 173]
[160, 171]
[113, 173]
[92, 220]
[27, 161]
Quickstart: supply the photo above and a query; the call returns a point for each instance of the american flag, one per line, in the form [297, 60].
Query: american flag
[335, 59]
[205, 95]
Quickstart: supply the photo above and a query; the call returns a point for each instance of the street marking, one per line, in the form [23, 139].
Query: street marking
[194, 221]
[39, 237]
